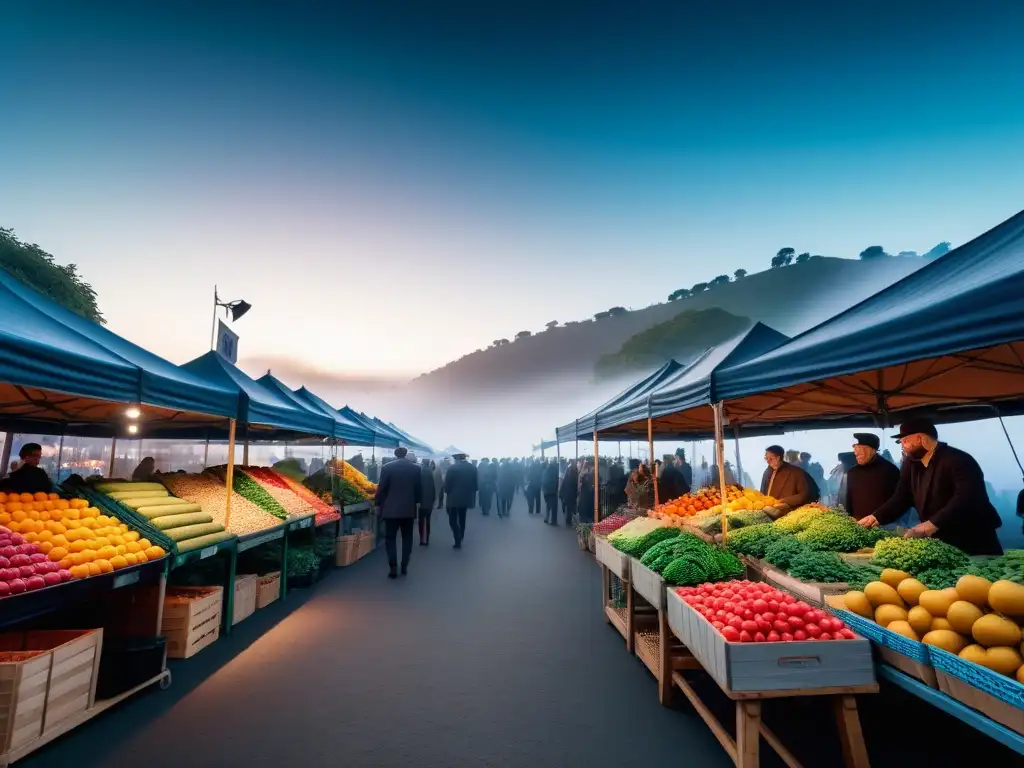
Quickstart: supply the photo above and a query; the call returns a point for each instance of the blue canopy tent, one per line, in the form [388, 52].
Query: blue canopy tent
[381, 439]
[63, 373]
[347, 430]
[405, 438]
[263, 413]
[946, 342]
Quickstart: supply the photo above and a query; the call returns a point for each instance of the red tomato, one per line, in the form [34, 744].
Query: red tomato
[719, 602]
[774, 637]
[736, 622]
[774, 603]
[786, 637]
[718, 625]
[729, 605]
[731, 634]
[825, 623]
[812, 630]
[799, 635]
[764, 625]
[795, 622]
[824, 636]
[749, 626]
[814, 615]
[760, 637]
[746, 637]
[747, 614]
[838, 624]
[780, 626]
[788, 599]
[847, 633]
[768, 616]
[759, 606]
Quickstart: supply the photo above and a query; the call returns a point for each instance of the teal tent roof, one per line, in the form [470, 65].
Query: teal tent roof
[47, 350]
[345, 429]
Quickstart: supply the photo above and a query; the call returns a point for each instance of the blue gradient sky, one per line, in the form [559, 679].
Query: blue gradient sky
[448, 173]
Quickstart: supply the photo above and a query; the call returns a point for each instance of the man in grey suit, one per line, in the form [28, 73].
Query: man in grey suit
[399, 495]
[460, 486]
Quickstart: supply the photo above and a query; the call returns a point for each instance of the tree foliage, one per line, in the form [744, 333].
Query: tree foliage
[873, 252]
[720, 280]
[699, 288]
[523, 335]
[552, 325]
[739, 274]
[939, 250]
[39, 270]
[803, 257]
[680, 293]
[783, 258]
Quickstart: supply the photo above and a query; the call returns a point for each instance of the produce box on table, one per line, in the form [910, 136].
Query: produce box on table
[617, 562]
[994, 695]
[772, 661]
[647, 583]
[191, 619]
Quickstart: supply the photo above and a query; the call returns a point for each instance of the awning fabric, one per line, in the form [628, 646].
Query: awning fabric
[345, 429]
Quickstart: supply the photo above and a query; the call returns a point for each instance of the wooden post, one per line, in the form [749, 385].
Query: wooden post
[719, 411]
[739, 462]
[5, 453]
[654, 467]
[245, 451]
[230, 480]
[60, 454]
[113, 455]
[206, 454]
[597, 482]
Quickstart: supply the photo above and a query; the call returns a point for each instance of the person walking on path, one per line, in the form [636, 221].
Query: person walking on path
[438, 485]
[534, 479]
[568, 492]
[427, 502]
[460, 486]
[506, 487]
[399, 495]
[488, 477]
[549, 488]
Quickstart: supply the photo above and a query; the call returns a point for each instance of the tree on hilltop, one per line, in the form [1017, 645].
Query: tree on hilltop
[552, 325]
[783, 258]
[720, 280]
[873, 252]
[739, 274]
[523, 335]
[803, 257]
[680, 293]
[699, 288]
[939, 250]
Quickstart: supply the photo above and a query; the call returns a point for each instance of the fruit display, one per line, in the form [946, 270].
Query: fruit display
[917, 555]
[687, 559]
[210, 495]
[69, 535]
[755, 612]
[978, 620]
[325, 512]
[25, 567]
[361, 483]
[709, 500]
[610, 524]
[184, 522]
[249, 489]
[801, 517]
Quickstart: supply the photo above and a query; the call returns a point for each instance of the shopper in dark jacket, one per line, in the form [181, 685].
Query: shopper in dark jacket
[549, 488]
[534, 479]
[487, 473]
[947, 488]
[460, 487]
[568, 491]
[427, 502]
[399, 496]
[507, 474]
[585, 501]
[871, 481]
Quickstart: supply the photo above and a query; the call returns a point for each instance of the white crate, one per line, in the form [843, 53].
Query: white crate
[770, 666]
[606, 554]
[648, 584]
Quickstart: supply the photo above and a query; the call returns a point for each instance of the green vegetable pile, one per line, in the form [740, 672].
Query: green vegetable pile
[821, 567]
[863, 575]
[302, 561]
[917, 555]
[638, 546]
[781, 552]
[833, 532]
[940, 578]
[1007, 567]
[800, 518]
[754, 540]
[249, 489]
[745, 519]
[686, 560]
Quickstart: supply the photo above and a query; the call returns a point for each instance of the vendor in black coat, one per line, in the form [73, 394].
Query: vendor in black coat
[28, 478]
[872, 481]
[947, 487]
[549, 489]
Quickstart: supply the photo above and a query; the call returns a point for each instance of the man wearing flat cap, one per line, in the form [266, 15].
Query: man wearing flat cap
[946, 487]
[870, 483]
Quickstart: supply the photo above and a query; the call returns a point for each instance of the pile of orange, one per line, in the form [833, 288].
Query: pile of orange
[75, 535]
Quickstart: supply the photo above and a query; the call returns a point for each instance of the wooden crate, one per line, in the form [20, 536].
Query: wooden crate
[245, 597]
[269, 589]
[617, 562]
[916, 669]
[346, 550]
[191, 619]
[1001, 711]
[73, 672]
[648, 584]
[367, 541]
[22, 695]
[770, 666]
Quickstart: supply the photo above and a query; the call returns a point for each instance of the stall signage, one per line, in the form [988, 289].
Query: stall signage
[126, 579]
[227, 343]
[208, 552]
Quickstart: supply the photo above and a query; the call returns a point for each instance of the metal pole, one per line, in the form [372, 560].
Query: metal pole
[739, 462]
[60, 453]
[597, 483]
[113, 455]
[231, 471]
[720, 454]
[206, 454]
[653, 466]
[245, 451]
[213, 326]
[5, 453]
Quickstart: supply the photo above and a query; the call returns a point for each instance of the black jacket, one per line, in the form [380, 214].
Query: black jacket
[570, 486]
[400, 491]
[460, 486]
[672, 484]
[950, 493]
[549, 484]
[869, 486]
[429, 491]
[534, 477]
[507, 479]
[27, 479]
[487, 476]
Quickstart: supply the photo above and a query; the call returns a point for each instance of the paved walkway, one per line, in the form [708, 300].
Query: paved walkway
[495, 655]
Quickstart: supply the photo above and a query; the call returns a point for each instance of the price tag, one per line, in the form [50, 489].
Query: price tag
[126, 579]
[306, 523]
[208, 552]
[245, 546]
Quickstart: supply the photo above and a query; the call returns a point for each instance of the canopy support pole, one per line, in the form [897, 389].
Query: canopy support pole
[230, 480]
[739, 461]
[5, 453]
[60, 454]
[206, 454]
[245, 452]
[652, 465]
[720, 458]
[113, 456]
[597, 482]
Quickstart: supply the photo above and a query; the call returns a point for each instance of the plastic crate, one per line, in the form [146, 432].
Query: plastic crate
[998, 686]
[876, 633]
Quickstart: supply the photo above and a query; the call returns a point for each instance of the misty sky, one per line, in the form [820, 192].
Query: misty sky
[437, 175]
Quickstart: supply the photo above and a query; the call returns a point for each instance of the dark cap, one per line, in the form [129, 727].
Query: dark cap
[868, 439]
[917, 427]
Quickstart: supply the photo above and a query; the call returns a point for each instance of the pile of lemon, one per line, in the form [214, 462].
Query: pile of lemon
[75, 535]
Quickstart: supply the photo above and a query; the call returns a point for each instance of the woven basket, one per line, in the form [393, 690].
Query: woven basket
[346, 550]
[366, 543]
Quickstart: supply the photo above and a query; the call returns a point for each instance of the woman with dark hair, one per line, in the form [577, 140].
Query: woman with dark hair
[145, 471]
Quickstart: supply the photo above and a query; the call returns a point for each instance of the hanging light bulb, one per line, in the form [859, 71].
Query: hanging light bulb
[133, 413]
[133, 429]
